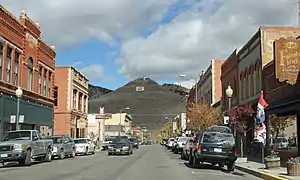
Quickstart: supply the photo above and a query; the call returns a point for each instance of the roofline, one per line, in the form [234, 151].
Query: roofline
[75, 69]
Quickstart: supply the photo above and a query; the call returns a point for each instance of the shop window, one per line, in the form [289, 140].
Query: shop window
[8, 64]
[30, 74]
[16, 68]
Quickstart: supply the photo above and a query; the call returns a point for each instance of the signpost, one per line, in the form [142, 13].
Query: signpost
[98, 117]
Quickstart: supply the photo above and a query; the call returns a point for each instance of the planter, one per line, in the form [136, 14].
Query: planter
[271, 163]
[293, 169]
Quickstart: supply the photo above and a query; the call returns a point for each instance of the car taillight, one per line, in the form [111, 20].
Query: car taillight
[199, 148]
[236, 151]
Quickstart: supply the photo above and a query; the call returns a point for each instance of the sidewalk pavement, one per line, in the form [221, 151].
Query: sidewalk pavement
[258, 170]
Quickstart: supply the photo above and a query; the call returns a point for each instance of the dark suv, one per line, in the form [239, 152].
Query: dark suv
[215, 147]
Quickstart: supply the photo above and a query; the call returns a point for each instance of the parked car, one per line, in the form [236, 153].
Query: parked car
[120, 146]
[170, 143]
[107, 141]
[179, 144]
[135, 142]
[84, 146]
[63, 145]
[215, 148]
[24, 145]
[188, 145]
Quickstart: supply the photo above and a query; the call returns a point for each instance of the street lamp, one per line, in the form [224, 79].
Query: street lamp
[19, 93]
[196, 84]
[229, 92]
[121, 111]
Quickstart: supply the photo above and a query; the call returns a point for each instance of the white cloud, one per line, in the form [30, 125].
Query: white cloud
[210, 30]
[69, 22]
[93, 72]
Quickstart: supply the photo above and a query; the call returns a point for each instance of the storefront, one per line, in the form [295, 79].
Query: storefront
[32, 115]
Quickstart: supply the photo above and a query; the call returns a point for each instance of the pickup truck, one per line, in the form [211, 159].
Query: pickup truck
[24, 145]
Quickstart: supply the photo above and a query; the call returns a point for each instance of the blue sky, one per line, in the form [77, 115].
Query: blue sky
[94, 51]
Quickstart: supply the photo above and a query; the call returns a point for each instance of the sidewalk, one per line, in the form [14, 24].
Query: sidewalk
[258, 170]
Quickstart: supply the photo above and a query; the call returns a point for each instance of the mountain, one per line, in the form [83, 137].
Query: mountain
[183, 91]
[95, 92]
[149, 102]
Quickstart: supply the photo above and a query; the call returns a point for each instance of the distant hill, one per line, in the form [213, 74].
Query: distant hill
[95, 92]
[149, 102]
[183, 91]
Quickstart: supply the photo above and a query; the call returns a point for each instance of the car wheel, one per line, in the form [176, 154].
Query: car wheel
[190, 160]
[182, 155]
[86, 151]
[109, 154]
[94, 151]
[221, 164]
[73, 154]
[231, 166]
[62, 154]
[48, 156]
[27, 160]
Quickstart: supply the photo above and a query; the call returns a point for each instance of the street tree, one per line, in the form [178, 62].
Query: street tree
[202, 115]
[165, 131]
[239, 117]
[279, 124]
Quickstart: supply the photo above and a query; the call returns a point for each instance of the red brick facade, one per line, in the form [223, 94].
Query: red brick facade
[21, 43]
[229, 76]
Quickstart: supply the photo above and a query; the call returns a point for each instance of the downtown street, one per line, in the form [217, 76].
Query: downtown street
[146, 163]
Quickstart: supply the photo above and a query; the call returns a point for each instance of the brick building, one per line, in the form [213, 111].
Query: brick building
[252, 58]
[192, 95]
[71, 102]
[229, 71]
[209, 85]
[28, 62]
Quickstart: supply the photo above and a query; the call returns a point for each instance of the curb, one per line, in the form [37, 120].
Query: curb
[262, 175]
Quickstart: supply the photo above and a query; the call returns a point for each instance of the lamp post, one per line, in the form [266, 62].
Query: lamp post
[19, 93]
[196, 84]
[229, 93]
[121, 110]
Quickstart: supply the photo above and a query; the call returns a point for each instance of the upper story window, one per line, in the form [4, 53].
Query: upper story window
[1, 57]
[16, 68]
[30, 74]
[55, 95]
[40, 78]
[8, 64]
[84, 104]
[80, 102]
[74, 99]
[49, 84]
[45, 82]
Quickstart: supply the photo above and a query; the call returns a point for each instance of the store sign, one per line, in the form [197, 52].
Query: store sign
[287, 60]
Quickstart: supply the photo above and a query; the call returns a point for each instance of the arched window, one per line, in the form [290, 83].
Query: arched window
[30, 74]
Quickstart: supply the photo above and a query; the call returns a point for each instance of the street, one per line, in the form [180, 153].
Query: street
[147, 163]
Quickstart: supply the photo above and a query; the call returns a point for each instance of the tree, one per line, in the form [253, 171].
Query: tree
[239, 118]
[279, 124]
[202, 115]
[165, 131]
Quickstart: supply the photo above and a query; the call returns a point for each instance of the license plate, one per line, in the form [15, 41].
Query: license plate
[118, 150]
[217, 150]
[3, 155]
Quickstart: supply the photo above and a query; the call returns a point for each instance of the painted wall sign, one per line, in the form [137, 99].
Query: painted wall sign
[287, 60]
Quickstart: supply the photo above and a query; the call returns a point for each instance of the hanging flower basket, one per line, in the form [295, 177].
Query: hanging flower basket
[293, 166]
[272, 160]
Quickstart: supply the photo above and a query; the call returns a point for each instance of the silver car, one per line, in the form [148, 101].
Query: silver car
[63, 146]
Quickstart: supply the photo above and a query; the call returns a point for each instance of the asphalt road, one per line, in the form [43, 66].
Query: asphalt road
[147, 163]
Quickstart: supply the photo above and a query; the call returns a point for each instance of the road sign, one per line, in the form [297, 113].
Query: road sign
[103, 116]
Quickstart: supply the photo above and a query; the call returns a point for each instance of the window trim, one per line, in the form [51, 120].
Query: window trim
[16, 67]
[8, 64]
[30, 71]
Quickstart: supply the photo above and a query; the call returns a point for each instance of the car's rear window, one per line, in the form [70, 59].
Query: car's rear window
[216, 137]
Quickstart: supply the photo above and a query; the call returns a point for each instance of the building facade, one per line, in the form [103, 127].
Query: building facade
[26, 61]
[118, 120]
[209, 85]
[229, 71]
[71, 102]
[253, 57]
[96, 126]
